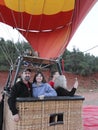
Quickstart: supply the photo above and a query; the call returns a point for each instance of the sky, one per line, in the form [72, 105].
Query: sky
[85, 39]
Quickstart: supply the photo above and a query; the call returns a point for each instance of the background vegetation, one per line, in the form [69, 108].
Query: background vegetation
[79, 63]
[76, 62]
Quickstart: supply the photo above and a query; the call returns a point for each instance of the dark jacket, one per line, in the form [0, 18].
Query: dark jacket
[64, 92]
[18, 90]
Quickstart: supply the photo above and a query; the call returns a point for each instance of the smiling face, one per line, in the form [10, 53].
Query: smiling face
[39, 78]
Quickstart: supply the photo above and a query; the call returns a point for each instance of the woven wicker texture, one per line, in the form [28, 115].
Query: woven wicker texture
[44, 115]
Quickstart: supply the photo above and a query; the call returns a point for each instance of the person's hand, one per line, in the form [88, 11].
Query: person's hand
[16, 118]
[41, 96]
[76, 83]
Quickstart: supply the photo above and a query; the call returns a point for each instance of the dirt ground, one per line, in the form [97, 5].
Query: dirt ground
[88, 86]
[91, 97]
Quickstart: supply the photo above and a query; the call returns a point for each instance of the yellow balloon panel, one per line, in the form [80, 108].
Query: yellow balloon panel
[37, 7]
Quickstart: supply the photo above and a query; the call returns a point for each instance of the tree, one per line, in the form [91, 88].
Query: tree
[9, 52]
[79, 63]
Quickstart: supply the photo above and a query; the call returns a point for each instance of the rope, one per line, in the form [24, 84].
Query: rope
[91, 48]
[14, 18]
[6, 56]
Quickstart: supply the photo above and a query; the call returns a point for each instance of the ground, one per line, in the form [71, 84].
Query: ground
[88, 86]
[91, 97]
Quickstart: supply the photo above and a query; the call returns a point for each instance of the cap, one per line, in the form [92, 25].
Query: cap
[26, 69]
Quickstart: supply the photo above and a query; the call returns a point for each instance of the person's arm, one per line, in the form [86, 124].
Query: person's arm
[64, 92]
[72, 92]
[49, 91]
[12, 100]
[76, 83]
[12, 103]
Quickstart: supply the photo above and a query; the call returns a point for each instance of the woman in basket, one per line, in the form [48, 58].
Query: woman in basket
[40, 87]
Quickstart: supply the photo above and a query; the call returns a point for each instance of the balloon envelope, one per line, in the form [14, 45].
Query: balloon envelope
[48, 25]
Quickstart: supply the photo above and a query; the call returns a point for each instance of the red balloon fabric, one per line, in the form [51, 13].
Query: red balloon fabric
[90, 117]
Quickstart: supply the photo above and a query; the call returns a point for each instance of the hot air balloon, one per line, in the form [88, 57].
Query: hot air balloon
[48, 25]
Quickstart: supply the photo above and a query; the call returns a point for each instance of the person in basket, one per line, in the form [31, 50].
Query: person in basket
[41, 87]
[22, 88]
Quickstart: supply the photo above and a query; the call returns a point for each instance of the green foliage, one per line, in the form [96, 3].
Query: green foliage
[79, 63]
[9, 52]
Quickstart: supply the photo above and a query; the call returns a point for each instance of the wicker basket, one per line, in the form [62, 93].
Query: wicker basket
[58, 113]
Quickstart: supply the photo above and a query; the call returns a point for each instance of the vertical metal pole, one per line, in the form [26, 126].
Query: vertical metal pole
[59, 66]
[20, 58]
[7, 86]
